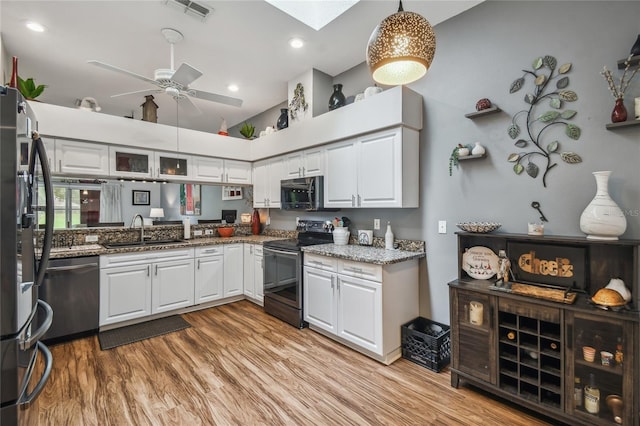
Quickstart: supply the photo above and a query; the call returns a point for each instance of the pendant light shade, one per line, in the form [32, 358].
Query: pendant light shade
[401, 48]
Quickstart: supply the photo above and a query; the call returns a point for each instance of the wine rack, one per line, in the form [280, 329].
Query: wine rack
[530, 361]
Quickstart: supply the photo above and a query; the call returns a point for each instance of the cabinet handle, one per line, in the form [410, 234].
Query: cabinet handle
[338, 284]
[299, 172]
[148, 270]
[158, 174]
[156, 270]
[304, 171]
[359, 201]
[332, 278]
[198, 263]
[60, 165]
[353, 200]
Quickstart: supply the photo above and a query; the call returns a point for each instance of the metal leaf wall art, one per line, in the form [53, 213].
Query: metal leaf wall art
[551, 101]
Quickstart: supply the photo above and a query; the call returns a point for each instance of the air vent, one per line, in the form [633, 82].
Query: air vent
[191, 8]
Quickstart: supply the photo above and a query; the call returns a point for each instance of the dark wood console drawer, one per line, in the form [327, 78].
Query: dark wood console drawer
[530, 310]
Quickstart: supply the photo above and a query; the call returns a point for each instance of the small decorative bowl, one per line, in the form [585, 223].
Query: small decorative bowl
[479, 227]
[225, 231]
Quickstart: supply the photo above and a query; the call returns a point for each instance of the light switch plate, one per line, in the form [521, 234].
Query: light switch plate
[376, 224]
[91, 239]
[442, 227]
[197, 233]
[208, 232]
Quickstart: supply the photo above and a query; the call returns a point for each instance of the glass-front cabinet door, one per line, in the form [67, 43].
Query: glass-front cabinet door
[601, 360]
[172, 166]
[130, 163]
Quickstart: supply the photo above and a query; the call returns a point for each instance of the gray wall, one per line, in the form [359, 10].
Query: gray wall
[479, 54]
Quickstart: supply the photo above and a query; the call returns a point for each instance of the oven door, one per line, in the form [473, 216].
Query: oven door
[282, 276]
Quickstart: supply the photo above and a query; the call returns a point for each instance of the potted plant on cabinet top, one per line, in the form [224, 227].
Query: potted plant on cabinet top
[28, 88]
[247, 130]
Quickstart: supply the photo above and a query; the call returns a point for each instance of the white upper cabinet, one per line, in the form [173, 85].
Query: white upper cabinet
[131, 162]
[378, 170]
[267, 175]
[81, 158]
[173, 166]
[304, 163]
[238, 172]
[208, 168]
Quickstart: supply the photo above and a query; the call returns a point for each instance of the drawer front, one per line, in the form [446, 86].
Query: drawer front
[530, 310]
[321, 262]
[126, 259]
[367, 271]
[209, 250]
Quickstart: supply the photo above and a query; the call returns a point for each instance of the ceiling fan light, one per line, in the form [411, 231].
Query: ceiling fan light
[401, 49]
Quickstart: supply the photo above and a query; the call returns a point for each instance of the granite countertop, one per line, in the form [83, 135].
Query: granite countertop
[97, 249]
[365, 254]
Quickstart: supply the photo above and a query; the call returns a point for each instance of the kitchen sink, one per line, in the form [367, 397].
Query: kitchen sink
[142, 243]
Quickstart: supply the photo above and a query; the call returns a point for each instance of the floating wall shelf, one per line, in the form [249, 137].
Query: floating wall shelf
[628, 123]
[635, 60]
[487, 111]
[472, 157]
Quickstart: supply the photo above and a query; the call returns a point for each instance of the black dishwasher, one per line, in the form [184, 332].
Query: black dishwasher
[72, 288]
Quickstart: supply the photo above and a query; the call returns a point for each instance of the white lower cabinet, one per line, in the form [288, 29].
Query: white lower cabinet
[253, 281]
[362, 305]
[136, 285]
[170, 287]
[209, 273]
[233, 270]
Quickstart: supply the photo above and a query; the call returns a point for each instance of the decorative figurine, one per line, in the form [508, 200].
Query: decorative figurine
[504, 267]
[223, 128]
[149, 110]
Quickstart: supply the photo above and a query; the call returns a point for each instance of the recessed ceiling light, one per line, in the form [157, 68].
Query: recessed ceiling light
[313, 13]
[232, 87]
[296, 43]
[34, 26]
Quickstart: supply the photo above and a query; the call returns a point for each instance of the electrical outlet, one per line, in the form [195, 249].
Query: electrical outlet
[442, 227]
[297, 221]
[197, 233]
[376, 224]
[91, 239]
[208, 232]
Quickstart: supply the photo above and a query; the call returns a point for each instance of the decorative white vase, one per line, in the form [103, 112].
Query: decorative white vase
[478, 149]
[602, 219]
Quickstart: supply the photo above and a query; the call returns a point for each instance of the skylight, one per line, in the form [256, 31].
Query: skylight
[313, 13]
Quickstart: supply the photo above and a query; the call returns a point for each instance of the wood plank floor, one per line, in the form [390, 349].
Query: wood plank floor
[239, 366]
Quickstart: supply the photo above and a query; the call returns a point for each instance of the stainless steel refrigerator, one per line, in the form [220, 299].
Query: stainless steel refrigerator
[26, 230]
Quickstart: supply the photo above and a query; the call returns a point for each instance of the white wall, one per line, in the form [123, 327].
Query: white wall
[479, 54]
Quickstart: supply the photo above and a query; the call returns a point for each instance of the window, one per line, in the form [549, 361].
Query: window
[75, 205]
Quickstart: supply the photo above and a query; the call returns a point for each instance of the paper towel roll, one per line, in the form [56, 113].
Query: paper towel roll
[187, 228]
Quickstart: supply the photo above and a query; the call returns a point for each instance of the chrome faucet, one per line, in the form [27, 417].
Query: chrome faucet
[133, 222]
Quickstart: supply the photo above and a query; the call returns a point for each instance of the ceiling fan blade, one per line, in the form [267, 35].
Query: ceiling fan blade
[185, 75]
[137, 92]
[206, 96]
[188, 105]
[122, 71]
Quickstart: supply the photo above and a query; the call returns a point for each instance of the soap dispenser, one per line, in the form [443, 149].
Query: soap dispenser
[388, 237]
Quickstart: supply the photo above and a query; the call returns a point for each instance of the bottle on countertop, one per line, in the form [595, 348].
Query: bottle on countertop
[592, 396]
[388, 238]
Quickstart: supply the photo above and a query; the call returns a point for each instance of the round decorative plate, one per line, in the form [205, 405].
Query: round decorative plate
[480, 262]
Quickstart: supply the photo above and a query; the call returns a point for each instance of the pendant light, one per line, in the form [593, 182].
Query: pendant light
[401, 48]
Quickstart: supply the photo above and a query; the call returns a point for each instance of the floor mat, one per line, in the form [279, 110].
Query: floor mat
[134, 333]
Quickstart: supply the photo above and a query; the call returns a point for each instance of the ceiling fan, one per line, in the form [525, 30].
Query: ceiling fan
[171, 81]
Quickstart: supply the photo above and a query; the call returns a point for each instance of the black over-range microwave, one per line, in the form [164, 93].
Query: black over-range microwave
[302, 193]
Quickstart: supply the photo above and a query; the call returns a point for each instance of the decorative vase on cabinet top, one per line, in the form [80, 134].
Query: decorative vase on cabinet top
[478, 149]
[283, 120]
[602, 219]
[372, 90]
[337, 98]
[255, 222]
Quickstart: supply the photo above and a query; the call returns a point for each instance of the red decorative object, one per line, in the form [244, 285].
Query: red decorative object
[14, 74]
[483, 103]
[619, 113]
[255, 222]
